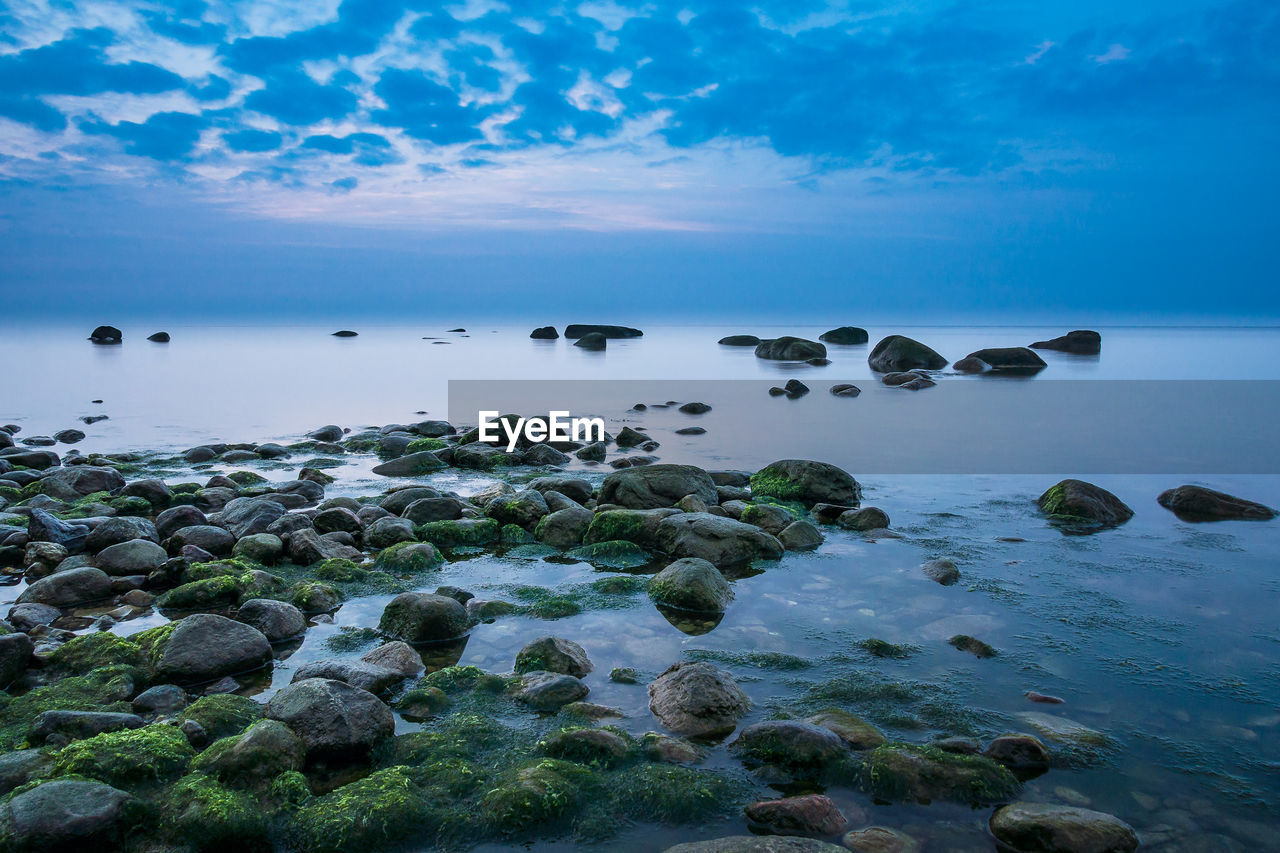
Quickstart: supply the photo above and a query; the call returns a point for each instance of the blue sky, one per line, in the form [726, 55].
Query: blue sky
[913, 160]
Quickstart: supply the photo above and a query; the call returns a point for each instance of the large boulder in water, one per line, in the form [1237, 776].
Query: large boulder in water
[1078, 501]
[845, 335]
[789, 348]
[898, 353]
[332, 718]
[87, 479]
[691, 584]
[1046, 828]
[64, 814]
[655, 486]
[544, 333]
[592, 341]
[1196, 503]
[69, 588]
[806, 481]
[421, 617]
[106, 335]
[1080, 342]
[579, 330]
[1001, 359]
[719, 540]
[698, 700]
[205, 646]
[739, 341]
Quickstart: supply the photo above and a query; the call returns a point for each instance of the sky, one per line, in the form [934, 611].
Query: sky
[914, 160]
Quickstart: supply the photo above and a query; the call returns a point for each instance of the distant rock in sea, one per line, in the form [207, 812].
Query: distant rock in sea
[739, 341]
[578, 330]
[898, 353]
[1080, 342]
[845, 335]
[544, 333]
[345, 333]
[1001, 360]
[159, 337]
[591, 341]
[789, 348]
[107, 335]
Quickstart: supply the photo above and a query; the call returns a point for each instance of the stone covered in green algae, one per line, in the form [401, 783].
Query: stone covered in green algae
[897, 772]
[88, 652]
[450, 534]
[201, 813]
[254, 757]
[124, 759]
[209, 594]
[379, 811]
[612, 554]
[222, 714]
[406, 558]
[535, 795]
[105, 689]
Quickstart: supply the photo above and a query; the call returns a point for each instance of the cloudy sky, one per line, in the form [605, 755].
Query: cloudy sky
[906, 160]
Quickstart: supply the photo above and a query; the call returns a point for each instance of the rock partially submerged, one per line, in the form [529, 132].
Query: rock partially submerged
[1196, 503]
[579, 330]
[591, 341]
[898, 353]
[806, 481]
[697, 700]
[789, 348]
[1080, 342]
[544, 333]
[1001, 360]
[739, 341]
[1075, 501]
[691, 584]
[845, 336]
[106, 335]
[1046, 828]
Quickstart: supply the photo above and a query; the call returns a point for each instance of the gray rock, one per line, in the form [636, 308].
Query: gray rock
[307, 547]
[398, 501]
[574, 488]
[804, 751]
[255, 757]
[867, 518]
[46, 527]
[204, 647]
[578, 330]
[545, 454]
[564, 528]
[420, 617]
[1045, 828]
[386, 532]
[113, 531]
[153, 491]
[1080, 342]
[427, 510]
[357, 673]
[524, 508]
[800, 535]
[19, 767]
[396, 656]
[553, 654]
[845, 336]
[1196, 503]
[549, 691]
[739, 341]
[654, 486]
[277, 620]
[898, 353]
[1001, 359]
[332, 718]
[25, 617]
[806, 481]
[329, 432]
[15, 655]
[1078, 501]
[544, 333]
[697, 700]
[86, 479]
[247, 516]
[789, 348]
[691, 584]
[716, 539]
[410, 465]
[175, 518]
[69, 588]
[214, 540]
[77, 725]
[135, 557]
[162, 699]
[263, 548]
[64, 814]
[942, 571]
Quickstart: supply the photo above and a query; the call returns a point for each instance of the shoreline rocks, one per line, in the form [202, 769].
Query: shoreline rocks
[1197, 503]
[1046, 828]
[898, 353]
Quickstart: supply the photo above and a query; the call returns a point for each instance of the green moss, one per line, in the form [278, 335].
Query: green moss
[882, 649]
[419, 703]
[449, 534]
[315, 597]
[246, 478]
[619, 585]
[890, 703]
[106, 689]
[88, 652]
[612, 554]
[351, 639]
[796, 508]
[152, 642]
[898, 772]
[774, 661]
[406, 558]
[339, 570]
[457, 679]
[972, 645]
[673, 794]
[207, 594]
[127, 758]
[231, 567]
[130, 505]
[200, 813]
[420, 444]
[290, 788]
[618, 524]
[535, 795]
[596, 747]
[383, 809]
[514, 534]
[766, 483]
[222, 714]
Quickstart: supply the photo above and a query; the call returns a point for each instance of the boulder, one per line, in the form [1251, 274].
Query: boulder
[247, 516]
[544, 333]
[574, 488]
[256, 756]
[879, 839]
[845, 389]
[385, 532]
[263, 548]
[174, 519]
[811, 814]
[1046, 828]
[697, 700]
[789, 348]
[113, 531]
[1020, 753]
[1078, 501]
[806, 481]
[800, 535]
[654, 486]
[86, 479]
[78, 725]
[1080, 342]
[106, 335]
[15, 655]
[523, 509]
[333, 719]
[578, 330]
[691, 584]
[801, 750]
[898, 353]
[135, 557]
[1001, 359]
[1196, 503]
[906, 772]
[207, 537]
[38, 460]
[69, 589]
[717, 539]
[420, 617]
[739, 341]
[65, 814]
[850, 728]
[358, 673]
[46, 527]
[396, 656]
[592, 341]
[410, 465]
[553, 654]
[845, 335]
[204, 647]
[550, 691]
[941, 571]
[154, 491]
[564, 528]
[277, 620]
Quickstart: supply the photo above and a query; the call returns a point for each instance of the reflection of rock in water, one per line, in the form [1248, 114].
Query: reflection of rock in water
[284, 649]
[693, 624]
[253, 683]
[439, 655]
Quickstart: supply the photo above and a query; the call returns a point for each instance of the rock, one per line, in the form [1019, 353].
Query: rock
[845, 389]
[592, 341]
[204, 647]
[756, 844]
[553, 654]
[25, 617]
[806, 481]
[803, 751]
[1080, 342]
[398, 501]
[795, 388]
[789, 348]
[434, 509]
[592, 452]
[153, 491]
[159, 337]
[800, 535]
[174, 519]
[850, 728]
[654, 486]
[358, 673]
[277, 620]
[396, 656]
[68, 436]
[544, 333]
[564, 528]
[15, 655]
[549, 691]
[911, 380]
[328, 432]
[78, 725]
[19, 767]
[1196, 503]
[697, 700]
[716, 539]
[386, 532]
[46, 527]
[695, 408]
[574, 488]
[524, 508]
[1020, 753]
[410, 465]
[906, 772]
[972, 645]
[162, 699]
[247, 516]
[106, 335]
[255, 757]
[879, 839]
[768, 517]
[818, 362]
[135, 557]
[420, 617]
[69, 588]
[845, 335]
[1045, 828]
[307, 547]
[345, 333]
[693, 430]
[64, 814]
[739, 341]
[897, 353]
[334, 720]
[941, 571]
[263, 548]
[545, 454]
[86, 479]
[691, 584]
[207, 537]
[113, 531]
[38, 460]
[1074, 501]
[578, 330]
[811, 814]
[1001, 359]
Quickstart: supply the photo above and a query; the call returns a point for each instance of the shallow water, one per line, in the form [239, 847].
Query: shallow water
[1161, 634]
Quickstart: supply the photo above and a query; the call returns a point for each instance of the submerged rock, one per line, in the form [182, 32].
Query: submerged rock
[941, 571]
[549, 691]
[159, 337]
[592, 341]
[1001, 359]
[806, 481]
[850, 728]
[789, 348]
[906, 772]
[333, 719]
[845, 389]
[698, 700]
[845, 335]
[345, 333]
[544, 333]
[879, 839]
[691, 584]
[1196, 503]
[578, 330]
[1081, 342]
[739, 341]
[898, 353]
[553, 654]
[1078, 501]
[811, 814]
[106, 335]
[716, 539]
[421, 617]
[1045, 828]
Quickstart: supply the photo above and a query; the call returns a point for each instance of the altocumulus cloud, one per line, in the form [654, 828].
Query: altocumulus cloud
[390, 95]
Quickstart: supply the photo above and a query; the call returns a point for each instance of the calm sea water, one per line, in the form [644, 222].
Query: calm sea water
[1160, 634]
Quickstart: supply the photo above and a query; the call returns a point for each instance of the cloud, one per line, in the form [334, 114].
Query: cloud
[295, 98]
[164, 136]
[425, 109]
[253, 140]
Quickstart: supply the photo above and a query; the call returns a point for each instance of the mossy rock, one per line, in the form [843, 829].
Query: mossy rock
[973, 646]
[88, 652]
[450, 534]
[514, 534]
[215, 593]
[343, 571]
[612, 554]
[673, 794]
[535, 796]
[130, 505]
[315, 597]
[420, 444]
[108, 688]
[199, 812]
[128, 758]
[254, 757]
[460, 679]
[228, 567]
[597, 747]
[246, 478]
[420, 703]
[222, 714]
[405, 558]
[882, 649]
[376, 812]
[152, 642]
[899, 772]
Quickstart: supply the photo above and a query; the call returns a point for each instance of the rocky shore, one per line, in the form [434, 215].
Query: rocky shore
[151, 739]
